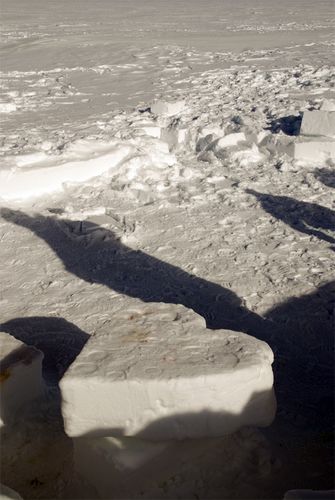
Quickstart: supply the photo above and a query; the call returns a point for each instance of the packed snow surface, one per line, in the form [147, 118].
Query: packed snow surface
[219, 204]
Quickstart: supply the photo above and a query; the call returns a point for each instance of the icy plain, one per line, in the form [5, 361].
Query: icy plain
[210, 201]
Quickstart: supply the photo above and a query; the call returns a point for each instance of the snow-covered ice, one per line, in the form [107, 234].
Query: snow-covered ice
[21, 378]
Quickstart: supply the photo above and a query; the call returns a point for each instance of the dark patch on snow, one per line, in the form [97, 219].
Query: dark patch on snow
[289, 125]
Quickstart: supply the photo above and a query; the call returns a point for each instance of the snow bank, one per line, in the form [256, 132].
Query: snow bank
[38, 179]
[20, 377]
[160, 374]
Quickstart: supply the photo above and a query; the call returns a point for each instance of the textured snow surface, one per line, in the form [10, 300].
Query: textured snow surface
[20, 376]
[160, 374]
[243, 235]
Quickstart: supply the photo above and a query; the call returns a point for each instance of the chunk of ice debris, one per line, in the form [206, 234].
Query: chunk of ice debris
[231, 140]
[318, 123]
[167, 108]
[160, 374]
[314, 150]
[21, 378]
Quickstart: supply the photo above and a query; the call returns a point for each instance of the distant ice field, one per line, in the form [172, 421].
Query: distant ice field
[70, 61]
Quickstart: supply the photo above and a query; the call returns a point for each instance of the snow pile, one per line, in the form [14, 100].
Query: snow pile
[20, 377]
[160, 374]
[37, 174]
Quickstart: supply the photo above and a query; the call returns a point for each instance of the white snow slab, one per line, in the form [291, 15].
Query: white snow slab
[314, 150]
[166, 108]
[318, 123]
[160, 374]
[21, 378]
[41, 179]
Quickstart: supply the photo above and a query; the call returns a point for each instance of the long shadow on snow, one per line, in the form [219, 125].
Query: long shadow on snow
[58, 339]
[326, 176]
[300, 331]
[95, 255]
[307, 218]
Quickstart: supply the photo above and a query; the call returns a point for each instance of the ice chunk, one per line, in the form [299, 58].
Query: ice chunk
[151, 130]
[231, 140]
[20, 376]
[318, 123]
[314, 150]
[167, 108]
[160, 374]
[175, 137]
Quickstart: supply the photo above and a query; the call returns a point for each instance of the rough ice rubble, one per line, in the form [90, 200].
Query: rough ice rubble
[21, 376]
[160, 374]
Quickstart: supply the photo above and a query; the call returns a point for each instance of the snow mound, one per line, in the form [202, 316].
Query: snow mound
[160, 374]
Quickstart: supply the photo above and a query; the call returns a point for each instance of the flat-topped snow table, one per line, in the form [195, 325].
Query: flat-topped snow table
[160, 374]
